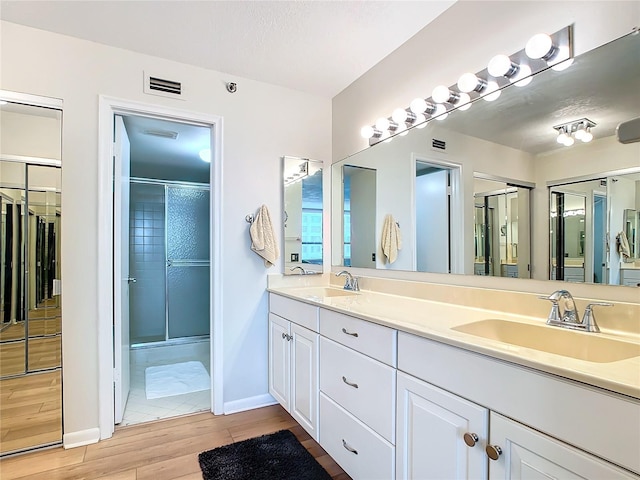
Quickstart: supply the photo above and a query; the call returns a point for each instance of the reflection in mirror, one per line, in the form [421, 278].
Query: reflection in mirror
[502, 229]
[30, 293]
[359, 217]
[302, 215]
[514, 137]
[631, 231]
[567, 238]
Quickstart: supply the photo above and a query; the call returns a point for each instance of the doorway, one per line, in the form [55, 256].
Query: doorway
[136, 246]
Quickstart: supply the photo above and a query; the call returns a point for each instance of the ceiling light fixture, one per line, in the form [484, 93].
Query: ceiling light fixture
[569, 132]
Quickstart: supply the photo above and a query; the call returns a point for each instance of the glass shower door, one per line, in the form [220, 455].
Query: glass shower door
[188, 284]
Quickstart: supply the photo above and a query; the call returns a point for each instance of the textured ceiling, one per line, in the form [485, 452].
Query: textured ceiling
[319, 47]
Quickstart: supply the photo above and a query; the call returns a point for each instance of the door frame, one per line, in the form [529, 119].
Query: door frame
[107, 108]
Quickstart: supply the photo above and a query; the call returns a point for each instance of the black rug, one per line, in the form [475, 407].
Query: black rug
[275, 456]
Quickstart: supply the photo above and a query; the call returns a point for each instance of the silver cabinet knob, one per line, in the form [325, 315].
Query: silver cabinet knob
[131, 280]
[286, 336]
[493, 452]
[470, 439]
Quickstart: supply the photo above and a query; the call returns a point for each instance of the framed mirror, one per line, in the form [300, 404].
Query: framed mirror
[515, 138]
[302, 191]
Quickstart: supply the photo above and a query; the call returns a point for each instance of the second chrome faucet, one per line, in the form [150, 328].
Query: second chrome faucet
[350, 282]
[564, 312]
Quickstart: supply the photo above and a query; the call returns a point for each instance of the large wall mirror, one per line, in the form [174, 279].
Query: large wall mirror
[30, 275]
[302, 189]
[507, 172]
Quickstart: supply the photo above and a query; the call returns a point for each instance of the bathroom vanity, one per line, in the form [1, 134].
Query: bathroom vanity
[396, 386]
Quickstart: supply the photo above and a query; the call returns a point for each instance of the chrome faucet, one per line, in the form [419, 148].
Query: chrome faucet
[350, 282]
[302, 270]
[564, 312]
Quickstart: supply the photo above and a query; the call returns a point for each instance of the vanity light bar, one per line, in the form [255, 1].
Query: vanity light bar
[541, 52]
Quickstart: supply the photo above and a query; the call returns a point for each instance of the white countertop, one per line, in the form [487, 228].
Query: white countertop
[435, 320]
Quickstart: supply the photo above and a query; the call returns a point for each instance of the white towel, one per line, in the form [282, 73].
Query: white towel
[622, 245]
[391, 239]
[263, 239]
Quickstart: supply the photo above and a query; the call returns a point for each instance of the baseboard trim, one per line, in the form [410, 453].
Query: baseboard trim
[81, 438]
[250, 403]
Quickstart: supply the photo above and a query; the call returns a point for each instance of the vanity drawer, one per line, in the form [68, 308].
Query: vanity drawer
[341, 435]
[370, 393]
[369, 338]
[297, 312]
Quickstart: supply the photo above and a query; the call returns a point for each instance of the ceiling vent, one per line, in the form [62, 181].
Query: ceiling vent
[154, 85]
[162, 133]
[438, 144]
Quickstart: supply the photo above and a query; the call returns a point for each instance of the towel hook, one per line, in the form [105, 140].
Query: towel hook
[249, 218]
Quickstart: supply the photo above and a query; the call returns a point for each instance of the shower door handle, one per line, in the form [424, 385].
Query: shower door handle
[169, 263]
[131, 280]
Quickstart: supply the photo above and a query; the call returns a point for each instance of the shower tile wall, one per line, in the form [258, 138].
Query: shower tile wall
[147, 257]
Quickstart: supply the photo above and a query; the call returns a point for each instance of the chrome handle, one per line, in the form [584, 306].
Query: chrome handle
[493, 452]
[344, 330]
[354, 385]
[470, 439]
[131, 280]
[286, 336]
[599, 304]
[349, 448]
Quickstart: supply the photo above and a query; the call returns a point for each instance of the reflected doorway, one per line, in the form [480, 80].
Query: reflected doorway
[359, 220]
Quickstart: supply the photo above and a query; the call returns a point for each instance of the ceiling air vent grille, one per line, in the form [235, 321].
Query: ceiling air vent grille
[155, 85]
[438, 144]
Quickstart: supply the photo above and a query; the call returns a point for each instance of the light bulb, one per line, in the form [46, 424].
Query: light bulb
[562, 136]
[382, 124]
[464, 102]
[440, 112]
[580, 132]
[539, 46]
[421, 120]
[367, 131]
[399, 115]
[568, 141]
[468, 82]
[523, 77]
[501, 66]
[205, 155]
[402, 129]
[418, 105]
[587, 136]
[492, 92]
[562, 60]
[442, 94]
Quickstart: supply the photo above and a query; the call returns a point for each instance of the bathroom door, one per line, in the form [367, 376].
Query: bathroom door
[121, 151]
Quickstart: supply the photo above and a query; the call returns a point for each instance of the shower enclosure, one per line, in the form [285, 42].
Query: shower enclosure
[169, 259]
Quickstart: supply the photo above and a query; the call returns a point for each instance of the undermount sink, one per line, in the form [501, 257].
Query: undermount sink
[325, 292]
[582, 346]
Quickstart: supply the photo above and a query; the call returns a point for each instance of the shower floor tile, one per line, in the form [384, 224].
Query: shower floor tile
[139, 409]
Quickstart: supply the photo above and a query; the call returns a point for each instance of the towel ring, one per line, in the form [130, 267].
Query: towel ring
[249, 218]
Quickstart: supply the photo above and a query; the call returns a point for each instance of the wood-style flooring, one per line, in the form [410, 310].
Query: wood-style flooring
[161, 450]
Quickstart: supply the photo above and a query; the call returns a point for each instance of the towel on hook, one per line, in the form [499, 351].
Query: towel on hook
[263, 239]
[391, 239]
[622, 245]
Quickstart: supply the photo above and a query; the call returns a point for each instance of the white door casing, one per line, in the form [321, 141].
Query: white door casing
[108, 108]
[122, 167]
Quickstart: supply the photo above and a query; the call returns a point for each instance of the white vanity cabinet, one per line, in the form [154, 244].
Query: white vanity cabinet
[293, 360]
[357, 395]
[440, 435]
[526, 453]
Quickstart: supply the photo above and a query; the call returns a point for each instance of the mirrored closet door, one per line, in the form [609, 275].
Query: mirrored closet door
[30, 280]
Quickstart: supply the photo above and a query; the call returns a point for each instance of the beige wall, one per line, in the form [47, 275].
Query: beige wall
[258, 129]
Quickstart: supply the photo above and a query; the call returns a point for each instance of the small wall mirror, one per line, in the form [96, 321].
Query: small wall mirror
[302, 189]
[631, 220]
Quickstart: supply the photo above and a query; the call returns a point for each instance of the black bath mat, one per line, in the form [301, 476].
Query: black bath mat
[275, 456]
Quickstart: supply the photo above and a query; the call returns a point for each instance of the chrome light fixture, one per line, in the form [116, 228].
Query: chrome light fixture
[569, 132]
[541, 51]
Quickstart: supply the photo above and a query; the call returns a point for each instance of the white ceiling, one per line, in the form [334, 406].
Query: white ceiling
[319, 47]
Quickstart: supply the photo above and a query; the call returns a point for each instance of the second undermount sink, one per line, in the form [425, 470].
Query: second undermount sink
[582, 346]
[325, 292]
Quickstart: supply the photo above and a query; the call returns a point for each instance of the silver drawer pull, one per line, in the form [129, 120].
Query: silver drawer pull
[354, 385]
[351, 449]
[344, 330]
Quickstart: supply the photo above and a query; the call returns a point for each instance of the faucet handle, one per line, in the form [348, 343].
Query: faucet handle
[589, 319]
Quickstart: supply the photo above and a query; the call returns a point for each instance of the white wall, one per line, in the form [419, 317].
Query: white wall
[258, 131]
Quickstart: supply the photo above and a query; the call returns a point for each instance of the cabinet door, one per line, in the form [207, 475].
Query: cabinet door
[279, 359]
[431, 425]
[304, 378]
[528, 454]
